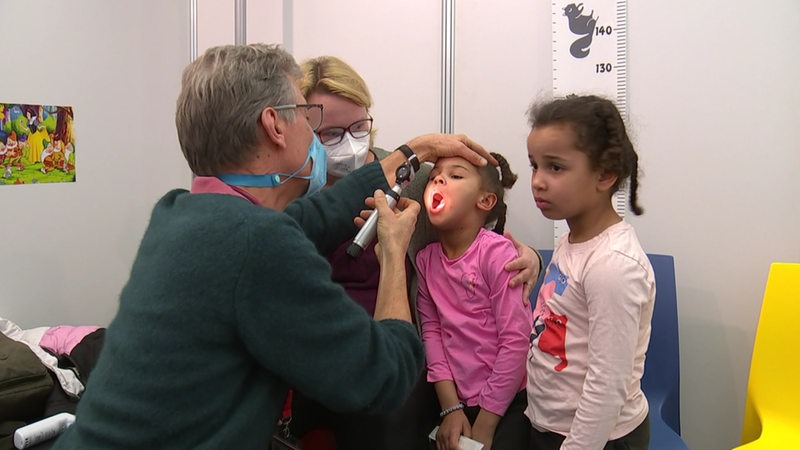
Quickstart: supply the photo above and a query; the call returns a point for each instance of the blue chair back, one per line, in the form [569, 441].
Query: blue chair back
[546, 255]
[661, 379]
[662, 372]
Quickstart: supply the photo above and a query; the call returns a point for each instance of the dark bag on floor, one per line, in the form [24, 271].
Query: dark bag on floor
[25, 382]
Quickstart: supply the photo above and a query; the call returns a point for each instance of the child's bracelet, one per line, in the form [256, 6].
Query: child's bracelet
[455, 408]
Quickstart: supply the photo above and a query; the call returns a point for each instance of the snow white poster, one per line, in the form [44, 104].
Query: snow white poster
[37, 144]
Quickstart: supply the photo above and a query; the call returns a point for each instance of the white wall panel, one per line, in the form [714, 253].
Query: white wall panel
[69, 246]
[713, 102]
[395, 46]
[502, 63]
[216, 21]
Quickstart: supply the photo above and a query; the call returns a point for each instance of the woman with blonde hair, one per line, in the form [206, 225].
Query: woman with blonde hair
[347, 133]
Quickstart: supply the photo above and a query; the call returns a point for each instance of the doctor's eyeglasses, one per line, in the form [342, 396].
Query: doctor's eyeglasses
[313, 112]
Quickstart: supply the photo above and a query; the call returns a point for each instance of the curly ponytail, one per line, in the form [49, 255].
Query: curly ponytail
[497, 180]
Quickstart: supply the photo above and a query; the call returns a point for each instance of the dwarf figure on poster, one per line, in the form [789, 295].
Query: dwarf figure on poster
[2, 153]
[13, 155]
[56, 156]
[68, 151]
[47, 158]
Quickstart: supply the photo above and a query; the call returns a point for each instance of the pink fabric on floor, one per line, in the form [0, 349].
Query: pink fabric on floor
[61, 339]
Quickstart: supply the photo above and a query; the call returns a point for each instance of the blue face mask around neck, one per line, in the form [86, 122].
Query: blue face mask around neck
[317, 178]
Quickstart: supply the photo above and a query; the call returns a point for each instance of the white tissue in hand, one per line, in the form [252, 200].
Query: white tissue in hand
[464, 443]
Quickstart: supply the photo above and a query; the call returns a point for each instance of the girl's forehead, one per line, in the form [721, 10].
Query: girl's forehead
[551, 138]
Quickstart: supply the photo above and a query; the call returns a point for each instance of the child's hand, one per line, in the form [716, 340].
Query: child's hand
[452, 427]
[528, 265]
[484, 427]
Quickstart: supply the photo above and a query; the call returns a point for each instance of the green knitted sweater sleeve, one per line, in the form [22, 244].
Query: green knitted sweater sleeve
[327, 217]
[303, 327]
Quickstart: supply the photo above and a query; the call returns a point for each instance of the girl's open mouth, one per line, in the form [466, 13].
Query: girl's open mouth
[437, 202]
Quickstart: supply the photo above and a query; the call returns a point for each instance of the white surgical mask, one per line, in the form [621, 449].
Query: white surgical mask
[348, 155]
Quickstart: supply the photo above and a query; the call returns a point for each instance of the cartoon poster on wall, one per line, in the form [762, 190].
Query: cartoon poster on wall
[37, 144]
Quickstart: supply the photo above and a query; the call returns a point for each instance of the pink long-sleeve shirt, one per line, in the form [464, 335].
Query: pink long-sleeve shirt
[475, 328]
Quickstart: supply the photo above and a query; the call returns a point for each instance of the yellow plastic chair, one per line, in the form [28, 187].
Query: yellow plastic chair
[772, 410]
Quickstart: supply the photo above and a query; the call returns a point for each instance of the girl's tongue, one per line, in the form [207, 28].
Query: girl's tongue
[437, 202]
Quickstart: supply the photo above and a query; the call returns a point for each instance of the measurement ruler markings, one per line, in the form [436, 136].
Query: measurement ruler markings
[585, 66]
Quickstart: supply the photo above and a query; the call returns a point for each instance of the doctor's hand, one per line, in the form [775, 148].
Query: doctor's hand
[395, 227]
[430, 147]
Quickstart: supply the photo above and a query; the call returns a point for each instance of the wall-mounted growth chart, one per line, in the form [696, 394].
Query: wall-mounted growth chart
[589, 57]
